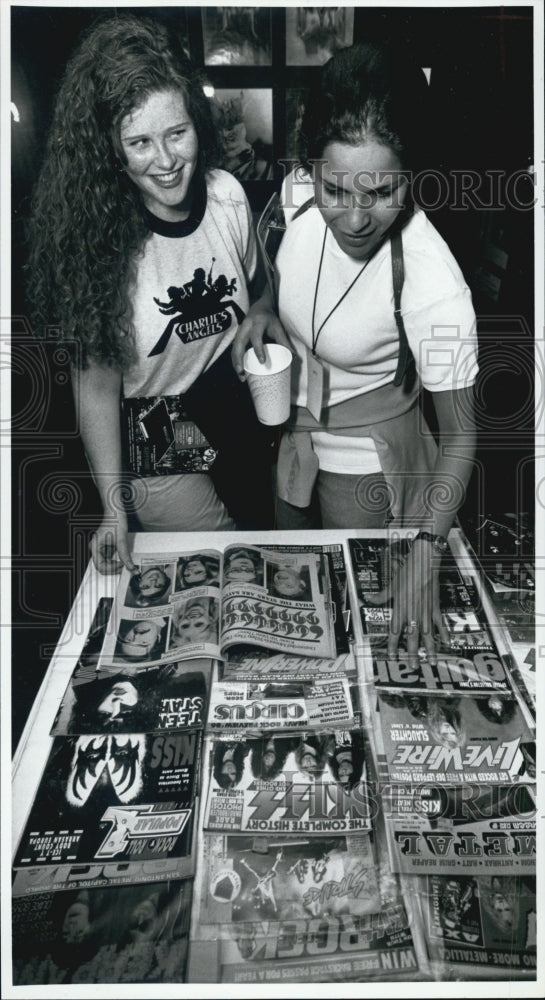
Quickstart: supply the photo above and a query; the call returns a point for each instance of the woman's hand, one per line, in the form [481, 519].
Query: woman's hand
[261, 320]
[109, 546]
[414, 589]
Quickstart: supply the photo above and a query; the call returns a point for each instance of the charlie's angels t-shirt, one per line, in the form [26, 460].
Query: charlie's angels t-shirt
[190, 291]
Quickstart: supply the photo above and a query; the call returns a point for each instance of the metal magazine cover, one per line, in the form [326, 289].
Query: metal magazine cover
[311, 784]
[254, 707]
[484, 921]
[438, 739]
[469, 829]
[126, 934]
[295, 909]
[116, 797]
[132, 699]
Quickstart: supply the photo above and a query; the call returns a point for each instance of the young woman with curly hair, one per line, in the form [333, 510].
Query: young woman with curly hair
[141, 253]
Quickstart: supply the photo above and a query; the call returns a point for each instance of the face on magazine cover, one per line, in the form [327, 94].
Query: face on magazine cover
[121, 699]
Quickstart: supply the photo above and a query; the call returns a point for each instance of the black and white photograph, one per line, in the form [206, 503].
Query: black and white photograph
[314, 34]
[244, 122]
[237, 36]
[272, 534]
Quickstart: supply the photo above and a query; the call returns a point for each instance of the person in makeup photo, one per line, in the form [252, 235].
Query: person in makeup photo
[148, 588]
[195, 620]
[128, 204]
[289, 582]
[197, 571]
[140, 640]
[356, 447]
[243, 566]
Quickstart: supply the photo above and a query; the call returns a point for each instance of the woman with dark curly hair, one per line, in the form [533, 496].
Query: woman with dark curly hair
[363, 280]
[141, 253]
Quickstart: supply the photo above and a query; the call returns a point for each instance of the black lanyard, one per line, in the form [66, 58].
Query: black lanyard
[337, 304]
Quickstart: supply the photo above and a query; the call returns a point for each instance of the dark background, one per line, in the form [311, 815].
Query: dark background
[482, 90]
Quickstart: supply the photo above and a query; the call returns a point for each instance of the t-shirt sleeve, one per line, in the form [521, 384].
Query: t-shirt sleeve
[442, 332]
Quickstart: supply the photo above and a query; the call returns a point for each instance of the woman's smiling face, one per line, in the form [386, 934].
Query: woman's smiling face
[161, 148]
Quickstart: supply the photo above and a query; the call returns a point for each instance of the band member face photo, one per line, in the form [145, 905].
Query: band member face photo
[148, 588]
[141, 640]
[242, 567]
[287, 583]
[161, 149]
[196, 621]
[122, 697]
[76, 924]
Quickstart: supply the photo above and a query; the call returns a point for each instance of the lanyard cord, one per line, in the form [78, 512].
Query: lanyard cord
[337, 304]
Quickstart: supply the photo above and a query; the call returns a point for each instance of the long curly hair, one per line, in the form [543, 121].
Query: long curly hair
[87, 224]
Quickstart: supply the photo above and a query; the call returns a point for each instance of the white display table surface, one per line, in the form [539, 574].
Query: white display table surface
[35, 742]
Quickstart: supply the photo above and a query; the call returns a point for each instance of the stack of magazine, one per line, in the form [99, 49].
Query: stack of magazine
[291, 886]
[104, 868]
[455, 756]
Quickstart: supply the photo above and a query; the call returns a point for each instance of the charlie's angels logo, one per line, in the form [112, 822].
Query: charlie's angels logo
[199, 309]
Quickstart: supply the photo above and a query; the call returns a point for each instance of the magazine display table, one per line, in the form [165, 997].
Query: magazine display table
[266, 905]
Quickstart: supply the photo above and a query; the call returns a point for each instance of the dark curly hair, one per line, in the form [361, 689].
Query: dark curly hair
[87, 222]
[368, 91]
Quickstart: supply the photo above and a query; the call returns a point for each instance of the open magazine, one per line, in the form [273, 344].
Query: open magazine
[203, 603]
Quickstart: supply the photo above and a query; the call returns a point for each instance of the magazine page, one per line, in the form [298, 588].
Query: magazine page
[254, 707]
[111, 797]
[99, 875]
[299, 909]
[136, 699]
[489, 922]
[438, 739]
[167, 611]
[487, 829]
[127, 934]
[246, 663]
[309, 784]
[469, 661]
[279, 600]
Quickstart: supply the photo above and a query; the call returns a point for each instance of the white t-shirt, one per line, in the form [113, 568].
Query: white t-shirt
[190, 290]
[358, 345]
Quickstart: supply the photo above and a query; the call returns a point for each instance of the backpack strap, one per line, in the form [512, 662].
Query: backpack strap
[302, 208]
[405, 362]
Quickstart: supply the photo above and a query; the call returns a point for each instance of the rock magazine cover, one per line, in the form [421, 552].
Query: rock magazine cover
[133, 699]
[296, 909]
[488, 922]
[127, 934]
[312, 784]
[467, 829]
[114, 798]
[436, 739]
[294, 706]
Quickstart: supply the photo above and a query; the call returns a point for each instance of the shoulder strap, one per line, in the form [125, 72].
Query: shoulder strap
[302, 208]
[405, 362]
